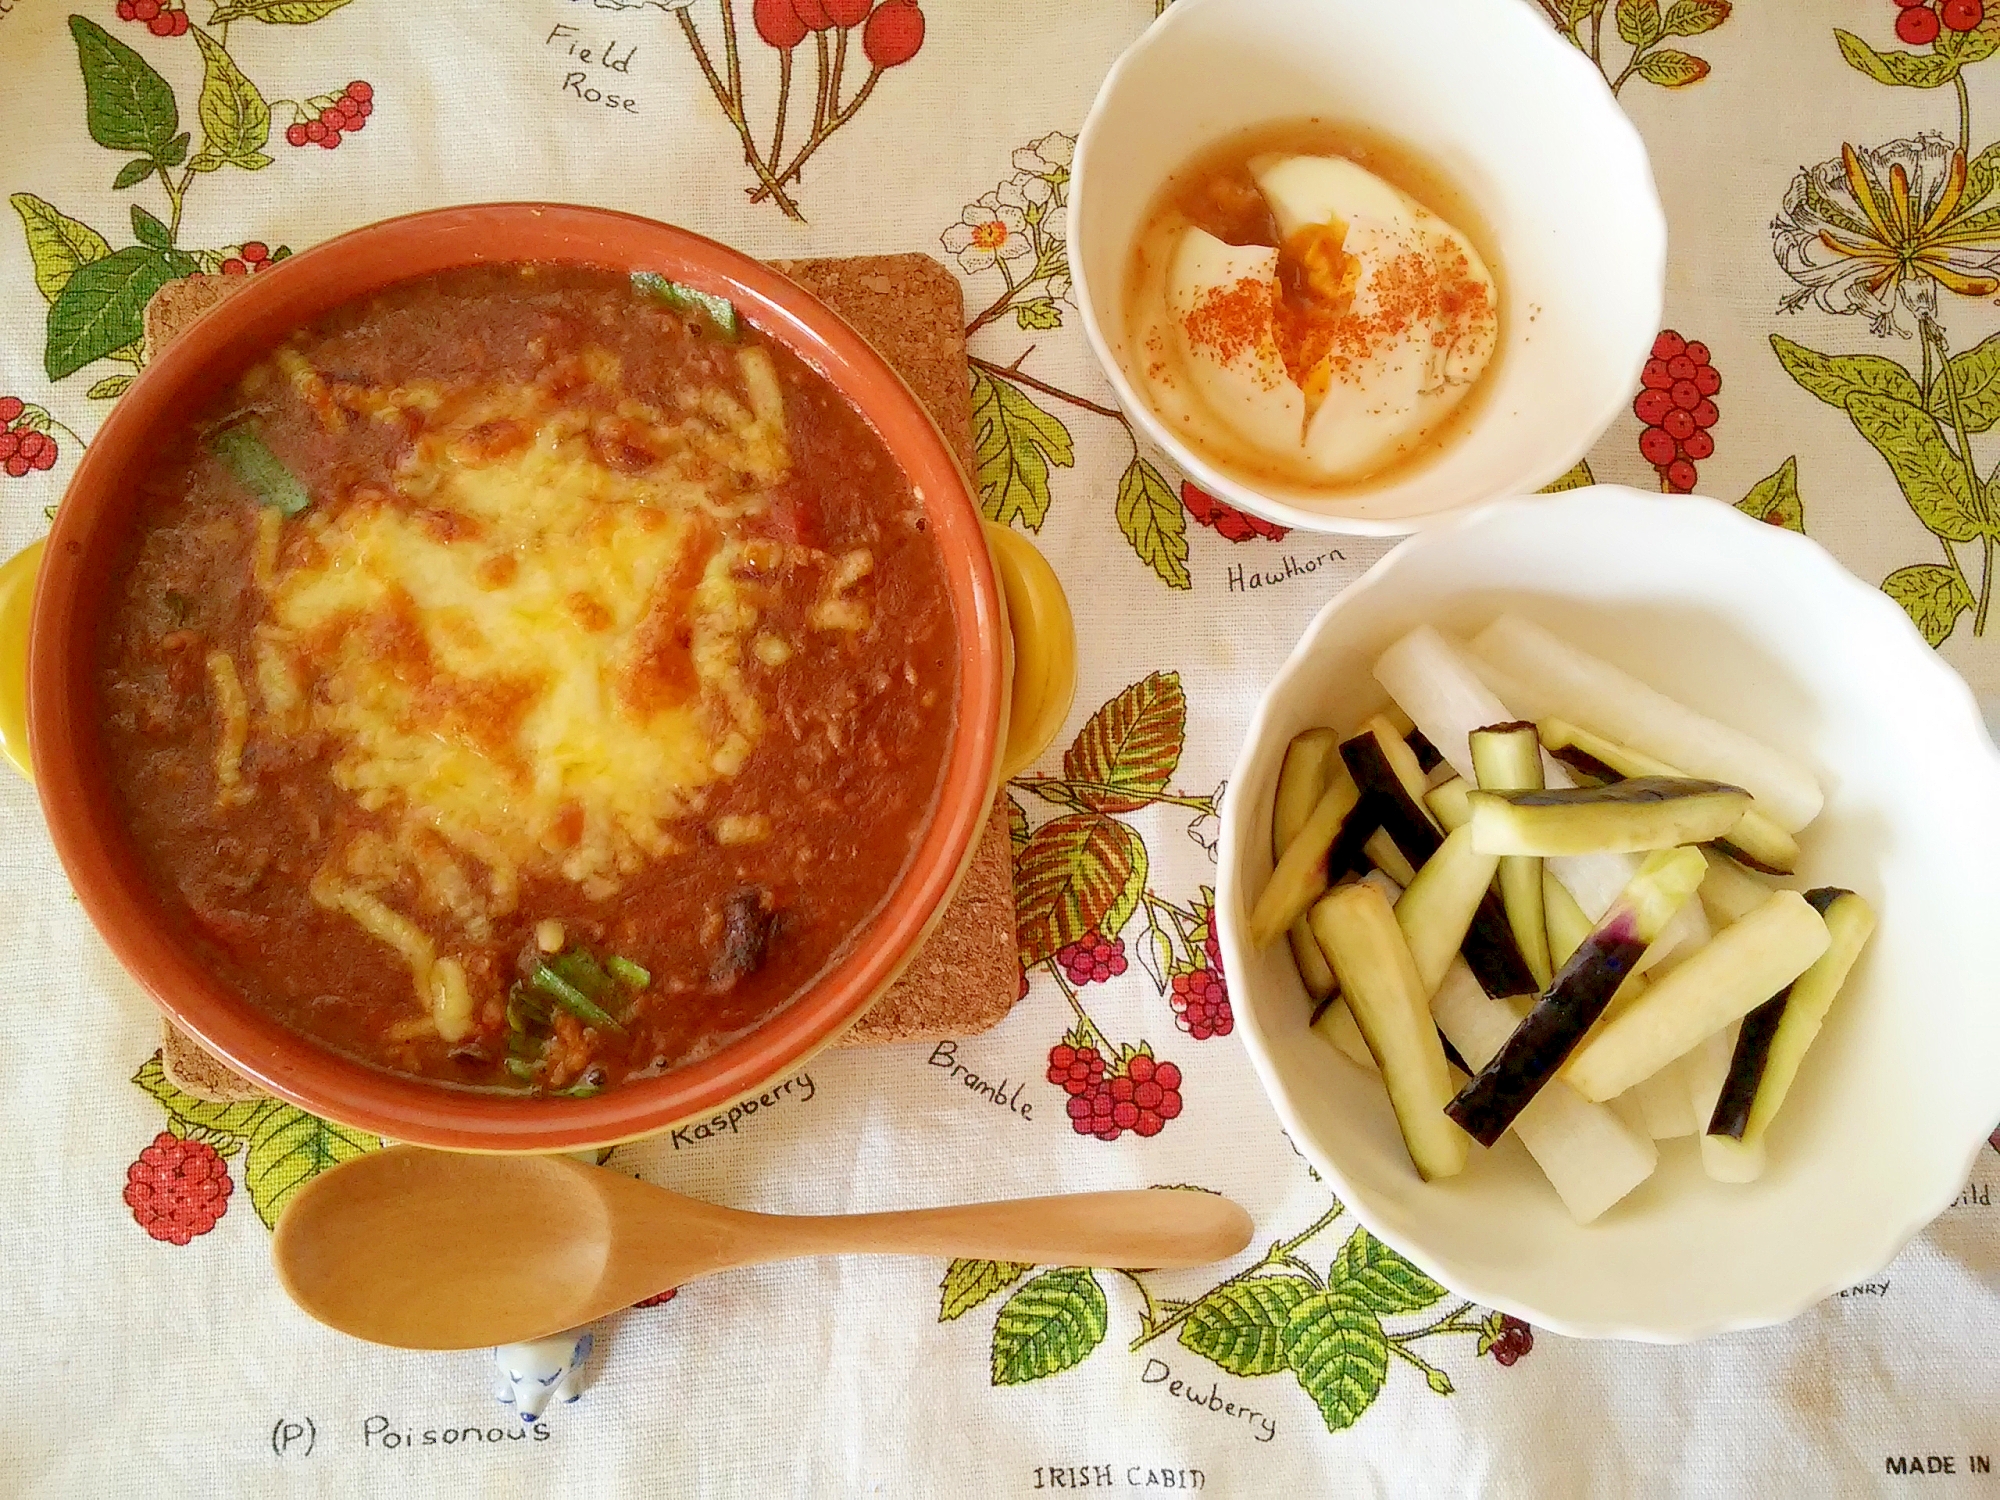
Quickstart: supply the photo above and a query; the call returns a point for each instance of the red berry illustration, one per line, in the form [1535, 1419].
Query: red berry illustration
[1141, 1099]
[778, 23]
[255, 252]
[1234, 525]
[1077, 1071]
[894, 33]
[361, 91]
[235, 267]
[1675, 409]
[1514, 1340]
[177, 1189]
[10, 408]
[666, 1296]
[847, 13]
[181, 23]
[1918, 26]
[296, 135]
[813, 13]
[1962, 15]
[161, 25]
[127, 11]
[1092, 960]
[1200, 999]
[145, 10]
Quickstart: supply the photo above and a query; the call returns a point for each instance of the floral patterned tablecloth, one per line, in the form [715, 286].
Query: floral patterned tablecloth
[1832, 364]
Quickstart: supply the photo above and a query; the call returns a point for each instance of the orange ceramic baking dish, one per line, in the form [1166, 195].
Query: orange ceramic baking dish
[76, 569]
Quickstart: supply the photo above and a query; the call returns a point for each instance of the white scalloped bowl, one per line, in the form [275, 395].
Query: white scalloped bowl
[1761, 629]
[1508, 113]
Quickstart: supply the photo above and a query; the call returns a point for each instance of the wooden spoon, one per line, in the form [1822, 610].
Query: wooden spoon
[429, 1250]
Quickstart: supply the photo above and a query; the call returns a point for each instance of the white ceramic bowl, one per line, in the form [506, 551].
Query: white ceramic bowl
[1506, 111]
[1759, 628]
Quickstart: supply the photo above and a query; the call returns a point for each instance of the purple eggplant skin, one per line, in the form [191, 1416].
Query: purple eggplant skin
[1405, 822]
[1428, 759]
[1586, 764]
[1753, 1043]
[1635, 789]
[1493, 955]
[1746, 1067]
[1345, 857]
[1542, 1043]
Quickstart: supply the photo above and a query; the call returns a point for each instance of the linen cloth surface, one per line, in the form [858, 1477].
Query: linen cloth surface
[137, 1362]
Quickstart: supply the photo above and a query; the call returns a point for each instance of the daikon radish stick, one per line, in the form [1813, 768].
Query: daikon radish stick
[1433, 682]
[1724, 1159]
[1560, 680]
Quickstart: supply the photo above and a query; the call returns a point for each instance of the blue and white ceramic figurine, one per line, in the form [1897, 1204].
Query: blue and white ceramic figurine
[528, 1374]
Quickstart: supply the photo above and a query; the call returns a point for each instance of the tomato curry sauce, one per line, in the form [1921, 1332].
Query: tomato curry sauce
[529, 677]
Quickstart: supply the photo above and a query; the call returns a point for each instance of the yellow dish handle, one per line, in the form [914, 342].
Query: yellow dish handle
[17, 599]
[1044, 638]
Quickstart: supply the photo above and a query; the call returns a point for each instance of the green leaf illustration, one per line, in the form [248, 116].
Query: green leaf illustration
[1241, 1324]
[967, 1283]
[1038, 313]
[1014, 442]
[223, 1126]
[1930, 475]
[57, 244]
[1074, 874]
[103, 304]
[1693, 17]
[109, 388]
[276, 12]
[1150, 515]
[1017, 823]
[1133, 743]
[1369, 1271]
[1934, 597]
[1910, 70]
[1639, 21]
[288, 1148]
[1967, 47]
[1975, 377]
[1335, 1345]
[1577, 476]
[235, 120]
[135, 170]
[1982, 175]
[150, 231]
[1775, 498]
[1047, 1326]
[176, 151]
[1834, 377]
[1671, 68]
[129, 106]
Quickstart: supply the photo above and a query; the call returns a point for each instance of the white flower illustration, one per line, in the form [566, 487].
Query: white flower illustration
[1048, 157]
[1878, 231]
[994, 227]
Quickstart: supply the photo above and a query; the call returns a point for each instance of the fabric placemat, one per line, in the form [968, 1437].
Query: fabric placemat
[139, 1363]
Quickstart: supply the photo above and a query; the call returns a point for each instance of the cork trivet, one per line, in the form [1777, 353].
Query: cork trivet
[964, 979]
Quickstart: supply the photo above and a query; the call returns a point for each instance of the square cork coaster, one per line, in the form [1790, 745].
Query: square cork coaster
[964, 978]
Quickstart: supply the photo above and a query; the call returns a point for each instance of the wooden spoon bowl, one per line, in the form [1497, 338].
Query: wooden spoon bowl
[428, 1250]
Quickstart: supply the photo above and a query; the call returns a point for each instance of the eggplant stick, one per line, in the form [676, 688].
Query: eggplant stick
[1508, 758]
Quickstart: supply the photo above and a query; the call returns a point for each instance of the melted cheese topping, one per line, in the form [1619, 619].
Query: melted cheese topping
[529, 658]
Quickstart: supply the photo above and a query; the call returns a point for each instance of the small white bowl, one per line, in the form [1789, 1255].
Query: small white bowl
[1506, 111]
[1761, 629]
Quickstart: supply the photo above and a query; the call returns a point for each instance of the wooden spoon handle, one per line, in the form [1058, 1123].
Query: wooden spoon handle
[1151, 1228]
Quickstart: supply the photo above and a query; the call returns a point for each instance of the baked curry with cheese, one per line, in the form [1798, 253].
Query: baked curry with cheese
[530, 677]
